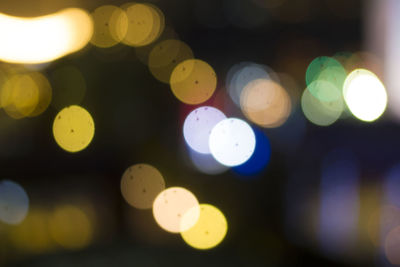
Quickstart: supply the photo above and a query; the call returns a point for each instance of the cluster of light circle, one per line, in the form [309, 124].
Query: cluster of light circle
[175, 209]
[329, 90]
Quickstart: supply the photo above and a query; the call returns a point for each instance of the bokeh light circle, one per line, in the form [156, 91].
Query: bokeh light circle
[232, 142]
[145, 24]
[365, 95]
[73, 128]
[391, 246]
[193, 81]
[140, 185]
[320, 112]
[265, 103]
[198, 125]
[170, 206]
[70, 227]
[110, 26]
[165, 56]
[260, 158]
[209, 230]
[240, 75]
[14, 202]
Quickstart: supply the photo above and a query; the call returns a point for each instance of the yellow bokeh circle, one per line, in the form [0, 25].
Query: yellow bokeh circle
[140, 184]
[73, 128]
[110, 26]
[165, 56]
[145, 24]
[70, 227]
[25, 95]
[209, 230]
[193, 81]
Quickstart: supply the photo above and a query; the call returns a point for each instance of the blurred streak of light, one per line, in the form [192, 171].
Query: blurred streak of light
[140, 185]
[46, 38]
[14, 202]
[165, 56]
[206, 163]
[365, 95]
[73, 128]
[170, 206]
[260, 158]
[384, 39]
[145, 24]
[320, 112]
[33, 235]
[241, 74]
[198, 125]
[232, 142]
[209, 230]
[193, 81]
[369, 216]
[266, 103]
[245, 14]
[70, 227]
[25, 95]
[339, 207]
[110, 26]
[69, 86]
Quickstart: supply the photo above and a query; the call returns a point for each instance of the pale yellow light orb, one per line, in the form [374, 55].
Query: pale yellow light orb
[73, 128]
[170, 206]
[209, 230]
[365, 95]
[140, 185]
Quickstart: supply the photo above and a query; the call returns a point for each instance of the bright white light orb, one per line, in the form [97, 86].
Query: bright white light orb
[232, 142]
[365, 95]
[198, 125]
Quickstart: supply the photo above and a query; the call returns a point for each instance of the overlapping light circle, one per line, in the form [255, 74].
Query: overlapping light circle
[145, 24]
[319, 112]
[265, 103]
[170, 206]
[241, 74]
[110, 26]
[165, 56]
[198, 125]
[232, 142]
[209, 230]
[25, 94]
